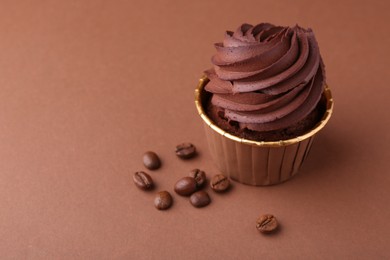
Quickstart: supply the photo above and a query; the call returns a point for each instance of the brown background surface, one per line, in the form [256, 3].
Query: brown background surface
[87, 86]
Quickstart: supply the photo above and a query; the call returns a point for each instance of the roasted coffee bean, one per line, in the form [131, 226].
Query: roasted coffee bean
[266, 223]
[151, 160]
[200, 199]
[219, 183]
[185, 150]
[199, 176]
[185, 186]
[163, 200]
[142, 180]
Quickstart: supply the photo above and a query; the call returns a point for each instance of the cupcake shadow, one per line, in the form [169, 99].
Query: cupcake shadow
[328, 156]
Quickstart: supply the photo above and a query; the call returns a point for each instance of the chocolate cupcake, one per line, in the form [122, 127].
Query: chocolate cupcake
[263, 102]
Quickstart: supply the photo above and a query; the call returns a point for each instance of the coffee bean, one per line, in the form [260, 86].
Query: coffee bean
[219, 183]
[151, 160]
[200, 199]
[199, 176]
[163, 200]
[266, 223]
[185, 186]
[185, 150]
[143, 181]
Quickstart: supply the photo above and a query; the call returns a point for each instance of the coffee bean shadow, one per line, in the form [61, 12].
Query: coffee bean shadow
[195, 157]
[229, 190]
[276, 232]
[191, 163]
[152, 171]
[154, 187]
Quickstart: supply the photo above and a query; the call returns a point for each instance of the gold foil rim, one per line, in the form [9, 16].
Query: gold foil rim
[198, 103]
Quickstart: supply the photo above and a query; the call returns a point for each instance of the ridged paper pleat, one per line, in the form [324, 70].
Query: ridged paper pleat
[256, 165]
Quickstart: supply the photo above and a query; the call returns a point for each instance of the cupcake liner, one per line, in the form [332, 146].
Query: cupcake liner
[257, 162]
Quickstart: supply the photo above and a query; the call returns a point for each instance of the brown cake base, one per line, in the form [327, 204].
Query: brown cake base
[216, 114]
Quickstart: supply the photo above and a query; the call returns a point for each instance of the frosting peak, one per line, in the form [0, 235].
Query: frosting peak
[266, 77]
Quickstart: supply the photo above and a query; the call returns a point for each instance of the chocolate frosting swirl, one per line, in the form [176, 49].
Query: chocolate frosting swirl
[266, 77]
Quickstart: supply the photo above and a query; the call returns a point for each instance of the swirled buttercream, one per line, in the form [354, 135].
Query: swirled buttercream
[266, 77]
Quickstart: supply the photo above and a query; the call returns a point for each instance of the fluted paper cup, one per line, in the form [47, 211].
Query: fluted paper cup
[257, 162]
